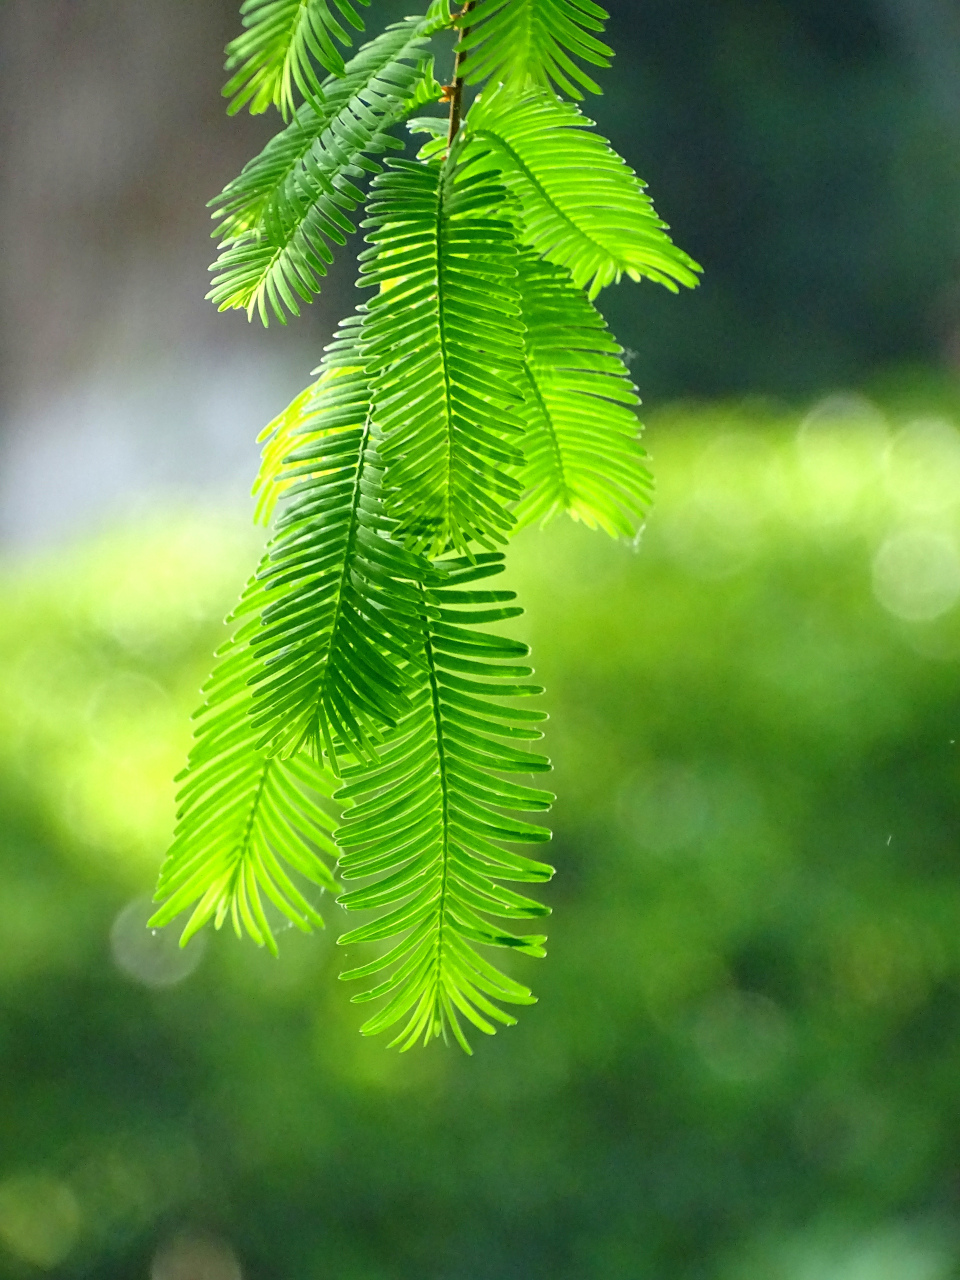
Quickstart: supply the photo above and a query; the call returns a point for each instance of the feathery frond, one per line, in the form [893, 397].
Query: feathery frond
[341, 605]
[443, 342]
[397, 53]
[581, 443]
[425, 826]
[276, 51]
[246, 824]
[524, 42]
[290, 203]
[478, 390]
[277, 439]
[582, 207]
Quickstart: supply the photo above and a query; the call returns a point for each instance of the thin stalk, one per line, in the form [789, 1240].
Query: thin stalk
[456, 89]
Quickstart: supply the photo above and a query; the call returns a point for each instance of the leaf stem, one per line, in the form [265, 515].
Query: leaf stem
[456, 94]
[438, 1024]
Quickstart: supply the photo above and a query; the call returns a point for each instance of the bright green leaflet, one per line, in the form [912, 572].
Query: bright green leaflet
[580, 205]
[529, 42]
[341, 603]
[443, 342]
[582, 454]
[280, 216]
[249, 825]
[275, 55]
[427, 823]
[475, 391]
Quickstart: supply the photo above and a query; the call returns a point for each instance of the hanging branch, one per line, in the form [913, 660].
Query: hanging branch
[477, 390]
[456, 88]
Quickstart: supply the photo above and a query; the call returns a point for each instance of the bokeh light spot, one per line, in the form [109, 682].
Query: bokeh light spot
[845, 419]
[39, 1219]
[195, 1257]
[923, 465]
[916, 575]
[707, 544]
[152, 956]
[841, 445]
[665, 810]
[741, 1036]
[129, 709]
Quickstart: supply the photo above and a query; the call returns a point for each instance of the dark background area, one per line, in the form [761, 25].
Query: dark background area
[807, 153]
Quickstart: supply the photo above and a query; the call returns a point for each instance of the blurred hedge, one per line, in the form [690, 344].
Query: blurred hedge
[744, 1063]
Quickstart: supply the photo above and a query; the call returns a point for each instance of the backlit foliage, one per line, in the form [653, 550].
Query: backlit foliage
[475, 391]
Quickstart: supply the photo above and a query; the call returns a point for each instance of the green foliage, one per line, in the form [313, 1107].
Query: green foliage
[426, 822]
[444, 344]
[341, 606]
[524, 42]
[277, 217]
[243, 814]
[477, 390]
[580, 205]
[275, 54]
[278, 439]
[581, 452]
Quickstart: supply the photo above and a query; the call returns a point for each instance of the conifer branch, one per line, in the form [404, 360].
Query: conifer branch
[456, 88]
[478, 390]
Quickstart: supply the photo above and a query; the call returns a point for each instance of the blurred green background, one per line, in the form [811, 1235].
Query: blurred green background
[745, 1062]
[745, 1059]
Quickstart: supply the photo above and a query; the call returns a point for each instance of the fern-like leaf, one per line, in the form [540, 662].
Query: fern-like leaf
[524, 42]
[581, 444]
[443, 341]
[582, 207]
[290, 203]
[246, 823]
[425, 828]
[278, 438]
[276, 52]
[341, 604]
[396, 54]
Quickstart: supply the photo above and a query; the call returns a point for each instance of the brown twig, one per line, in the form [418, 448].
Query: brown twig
[455, 89]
